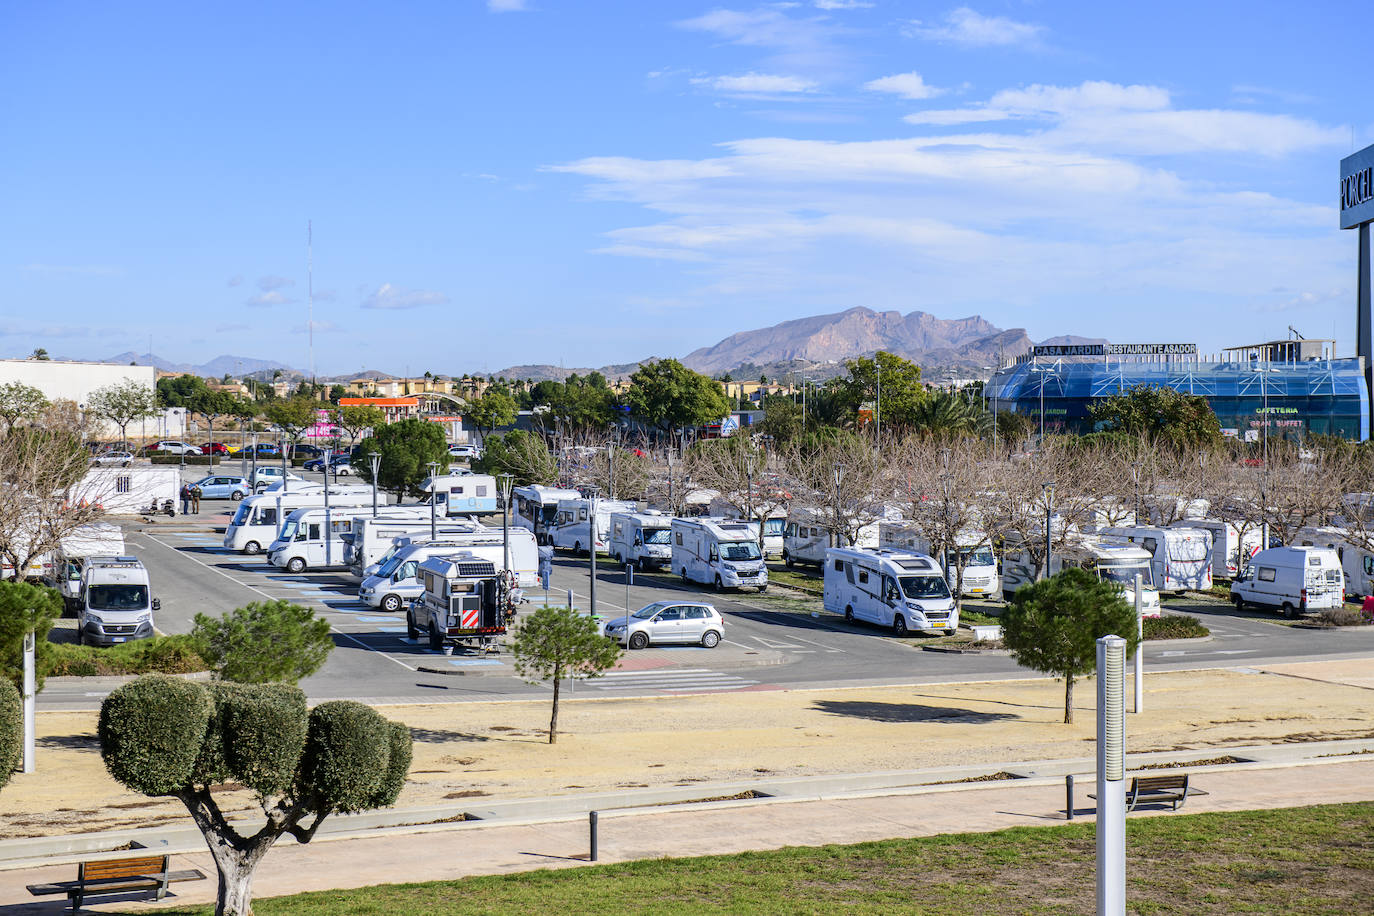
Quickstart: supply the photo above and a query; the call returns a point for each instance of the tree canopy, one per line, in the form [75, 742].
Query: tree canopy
[496, 407]
[901, 390]
[407, 447]
[521, 454]
[20, 402]
[557, 642]
[264, 642]
[667, 395]
[122, 403]
[1161, 415]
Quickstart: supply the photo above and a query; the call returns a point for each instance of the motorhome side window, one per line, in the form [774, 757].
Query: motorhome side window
[1314, 561]
[863, 576]
[582, 515]
[679, 538]
[839, 565]
[1150, 544]
[1369, 566]
[1266, 574]
[481, 490]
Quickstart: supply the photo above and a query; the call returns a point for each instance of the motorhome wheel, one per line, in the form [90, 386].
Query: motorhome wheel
[899, 625]
[720, 586]
[577, 548]
[1237, 600]
[391, 603]
[252, 548]
[295, 565]
[787, 560]
[762, 589]
[411, 630]
[1289, 611]
[849, 615]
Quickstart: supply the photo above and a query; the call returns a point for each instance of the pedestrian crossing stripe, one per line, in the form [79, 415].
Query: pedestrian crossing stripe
[670, 680]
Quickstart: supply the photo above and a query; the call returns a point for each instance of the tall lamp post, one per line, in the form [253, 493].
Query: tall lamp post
[1049, 512]
[591, 550]
[837, 470]
[375, 459]
[433, 499]
[505, 483]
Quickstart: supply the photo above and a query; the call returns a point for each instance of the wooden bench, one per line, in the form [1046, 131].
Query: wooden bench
[117, 876]
[1173, 789]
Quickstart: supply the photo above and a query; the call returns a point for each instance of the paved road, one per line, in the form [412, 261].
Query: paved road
[773, 641]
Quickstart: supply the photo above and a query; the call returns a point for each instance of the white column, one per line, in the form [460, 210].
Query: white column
[30, 646]
[1139, 645]
[1111, 776]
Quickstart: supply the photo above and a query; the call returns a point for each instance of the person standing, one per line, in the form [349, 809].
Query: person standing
[195, 500]
[185, 498]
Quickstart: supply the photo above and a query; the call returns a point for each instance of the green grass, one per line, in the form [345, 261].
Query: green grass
[1317, 860]
[165, 654]
[800, 578]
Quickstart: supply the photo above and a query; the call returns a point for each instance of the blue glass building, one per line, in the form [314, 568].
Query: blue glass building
[1248, 390]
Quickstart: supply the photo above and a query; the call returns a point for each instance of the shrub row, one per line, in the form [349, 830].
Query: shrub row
[1346, 616]
[162, 654]
[11, 730]
[186, 459]
[1180, 626]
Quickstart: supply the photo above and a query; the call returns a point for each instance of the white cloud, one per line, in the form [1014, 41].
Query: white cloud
[269, 283]
[390, 297]
[506, 6]
[271, 297]
[967, 27]
[907, 85]
[800, 44]
[757, 83]
[841, 4]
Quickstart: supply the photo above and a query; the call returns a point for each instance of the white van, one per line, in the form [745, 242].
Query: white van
[115, 604]
[65, 566]
[572, 531]
[316, 538]
[980, 578]
[718, 551]
[1231, 549]
[891, 588]
[397, 581]
[372, 541]
[259, 518]
[642, 538]
[807, 537]
[1110, 559]
[536, 507]
[1294, 580]
[774, 525]
[1181, 558]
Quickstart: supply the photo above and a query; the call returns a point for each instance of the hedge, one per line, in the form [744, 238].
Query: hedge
[187, 459]
[11, 730]
[158, 654]
[1174, 626]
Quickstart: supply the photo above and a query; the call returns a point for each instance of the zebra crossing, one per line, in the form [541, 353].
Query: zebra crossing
[675, 680]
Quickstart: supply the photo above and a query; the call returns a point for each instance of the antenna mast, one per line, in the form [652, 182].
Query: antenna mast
[310, 289]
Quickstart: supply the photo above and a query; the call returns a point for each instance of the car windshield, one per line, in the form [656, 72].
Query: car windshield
[117, 597]
[658, 536]
[288, 531]
[650, 610]
[977, 556]
[925, 587]
[1126, 574]
[739, 550]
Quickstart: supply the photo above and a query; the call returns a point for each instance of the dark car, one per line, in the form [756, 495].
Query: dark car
[307, 451]
[336, 460]
[264, 450]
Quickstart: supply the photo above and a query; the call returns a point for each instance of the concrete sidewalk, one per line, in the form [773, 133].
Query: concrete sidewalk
[389, 855]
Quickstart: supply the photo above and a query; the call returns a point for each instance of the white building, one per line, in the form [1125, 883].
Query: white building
[61, 380]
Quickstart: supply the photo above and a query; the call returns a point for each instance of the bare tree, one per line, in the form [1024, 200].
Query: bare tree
[1054, 486]
[742, 473]
[841, 477]
[41, 470]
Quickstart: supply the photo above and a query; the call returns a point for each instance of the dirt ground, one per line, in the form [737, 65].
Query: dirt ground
[471, 750]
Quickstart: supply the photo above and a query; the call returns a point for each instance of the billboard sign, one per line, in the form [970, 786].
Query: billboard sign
[1357, 188]
[1151, 349]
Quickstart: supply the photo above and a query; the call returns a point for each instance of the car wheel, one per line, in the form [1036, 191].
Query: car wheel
[1237, 600]
[762, 589]
[710, 639]
[411, 630]
[899, 626]
[641, 565]
[252, 548]
[342, 472]
[125, 464]
[391, 603]
[1289, 611]
[639, 640]
[720, 586]
[849, 615]
[436, 642]
[236, 496]
[295, 565]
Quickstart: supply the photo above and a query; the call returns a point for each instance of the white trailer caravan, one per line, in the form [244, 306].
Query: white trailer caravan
[808, 536]
[129, 491]
[642, 538]
[314, 537]
[258, 519]
[115, 603]
[397, 581]
[893, 588]
[1293, 580]
[1231, 549]
[572, 531]
[1181, 558]
[463, 494]
[719, 552]
[1110, 559]
[372, 541]
[536, 507]
[980, 577]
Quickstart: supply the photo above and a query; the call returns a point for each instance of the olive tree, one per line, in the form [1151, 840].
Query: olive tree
[557, 642]
[167, 737]
[1053, 625]
[264, 642]
[122, 403]
[20, 402]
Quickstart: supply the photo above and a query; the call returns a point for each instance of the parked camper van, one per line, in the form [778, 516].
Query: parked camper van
[536, 507]
[69, 560]
[979, 578]
[572, 531]
[1181, 558]
[461, 604]
[1231, 549]
[1293, 580]
[373, 541]
[774, 526]
[115, 603]
[463, 494]
[397, 581]
[1357, 563]
[259, 518]
[642, 538]
[314, 537]
[719, 552]
[1110, 559]
[808, 536]
[892, 588]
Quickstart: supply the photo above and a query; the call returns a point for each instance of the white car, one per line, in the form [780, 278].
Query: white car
[112, 460]
[669, 622]
[265, 477]
[173, 447]
[464, 451]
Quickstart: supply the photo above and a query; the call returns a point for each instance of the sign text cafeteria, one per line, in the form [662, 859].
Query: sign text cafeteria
[1115, 350]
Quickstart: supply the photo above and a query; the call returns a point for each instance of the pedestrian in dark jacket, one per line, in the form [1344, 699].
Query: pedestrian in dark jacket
[185, 498]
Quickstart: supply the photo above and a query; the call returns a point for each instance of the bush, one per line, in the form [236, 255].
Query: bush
[264, 642]
[255, 738]
[25, 607]
[151, 731]
[1344, 617]
[348, 756]
[11, 730]
[159, 654]
[1180, 626]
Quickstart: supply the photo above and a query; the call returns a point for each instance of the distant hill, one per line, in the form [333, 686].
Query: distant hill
[216, 368]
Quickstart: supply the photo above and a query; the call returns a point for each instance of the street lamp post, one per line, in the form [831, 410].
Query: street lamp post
[837, 470]
[433, 500]
[505, 483]
[285, 487]
[1049, 512]
[591, 550]
[375, 459]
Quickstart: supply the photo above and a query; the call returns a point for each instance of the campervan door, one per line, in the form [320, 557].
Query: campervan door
[1182, 557]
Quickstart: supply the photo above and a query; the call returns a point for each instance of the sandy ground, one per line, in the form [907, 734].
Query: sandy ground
[501, 750]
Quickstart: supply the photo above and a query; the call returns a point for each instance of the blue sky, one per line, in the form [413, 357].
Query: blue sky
[495, 183]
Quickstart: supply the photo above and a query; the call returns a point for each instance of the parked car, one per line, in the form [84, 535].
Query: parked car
[265, 477]
[341, 467]
[173, 447]
[317, 464]
[112, 460]
[214, 448]
[302, 450]
[264, 450]
[464, 451]
[221, 487]
[669, 622]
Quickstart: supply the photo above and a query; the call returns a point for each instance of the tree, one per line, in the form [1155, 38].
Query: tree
[20, 402]
[946, 414]
[557, 642]
[39, 353]
[293, 416]
[1053, 625]
[46, 492]
[667, 395]
[520, 454]
[407, 448]
[782, 418]
[337, 393]
[264, 642]
[1161, 414]
[122, 403]
[900, 383]
[11, 730]
[180, 391]
[354, 418]
[25, 608]
[494, 408]
[167, 737]
[212, 404]
[736, 468]
[854, 501]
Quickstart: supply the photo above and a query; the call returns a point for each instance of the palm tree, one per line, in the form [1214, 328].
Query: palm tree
[946, 414]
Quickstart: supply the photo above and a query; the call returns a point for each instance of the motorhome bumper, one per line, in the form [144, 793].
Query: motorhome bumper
[110, 634]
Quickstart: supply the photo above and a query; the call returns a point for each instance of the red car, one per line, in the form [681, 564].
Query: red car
[214, 448]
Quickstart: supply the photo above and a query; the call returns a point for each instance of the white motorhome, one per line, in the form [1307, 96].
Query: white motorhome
[1357, 563]
[808, 535]
[397, 581]
[774, 526]
[571, 529]
[642, 538]
[1110, 559]
[463, 494]
[1181, 558]
[893, 588]
[980, 578]
[372, 541]
[718, 551]
[1293, 580]
[536, 507]
[1231, 549]
[69, 560]
[315, 537]
[259, 518]
[115, 602]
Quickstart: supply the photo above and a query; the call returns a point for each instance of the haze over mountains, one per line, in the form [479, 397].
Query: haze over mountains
[970, 343]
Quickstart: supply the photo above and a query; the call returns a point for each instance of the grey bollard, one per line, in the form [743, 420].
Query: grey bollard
[591, 820]
[1068, 794]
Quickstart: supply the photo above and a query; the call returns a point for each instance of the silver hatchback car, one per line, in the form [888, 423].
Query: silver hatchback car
[666, 622]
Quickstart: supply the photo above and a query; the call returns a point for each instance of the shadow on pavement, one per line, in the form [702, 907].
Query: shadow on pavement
[443, 735]
[907, 712]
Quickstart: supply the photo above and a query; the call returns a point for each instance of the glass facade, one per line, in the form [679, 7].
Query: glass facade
[1291, 398]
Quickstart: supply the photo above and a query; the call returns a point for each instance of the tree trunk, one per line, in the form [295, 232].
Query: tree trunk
[553, 720]
[235, 867]
[1068, 700]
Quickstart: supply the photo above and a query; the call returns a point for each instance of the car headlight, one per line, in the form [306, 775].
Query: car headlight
[145, 618]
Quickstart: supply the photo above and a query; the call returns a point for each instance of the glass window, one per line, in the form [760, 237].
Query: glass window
[1266, 574]
[925, 586]
[679, 538]
[696, 613]
[123, 483]
[672, 613]
[648, 610]
[656, 536]
[117, 597]
[863, 576]
[740, 550]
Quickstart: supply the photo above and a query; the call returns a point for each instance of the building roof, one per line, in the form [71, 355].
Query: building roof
[409, 401]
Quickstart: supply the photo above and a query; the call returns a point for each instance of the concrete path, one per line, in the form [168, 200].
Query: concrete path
[457, 850]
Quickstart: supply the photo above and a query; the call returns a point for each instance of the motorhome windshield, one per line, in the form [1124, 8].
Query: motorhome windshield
[977, 556]
[739, 550]
[924, 586]
[288, 532]
[117, 597]
[241, 515]
[658, 536]
[1126, 574]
